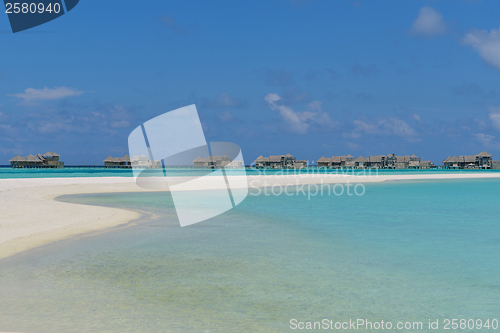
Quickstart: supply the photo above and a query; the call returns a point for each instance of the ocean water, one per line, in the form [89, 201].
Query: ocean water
[9, 173]
[408, 251]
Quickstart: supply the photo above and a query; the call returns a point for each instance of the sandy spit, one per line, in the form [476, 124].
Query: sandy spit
[31, 217]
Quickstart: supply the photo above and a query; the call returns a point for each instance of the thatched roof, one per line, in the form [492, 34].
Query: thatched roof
[275, 158]
[125, 158]
[288, 155]
[376, 158]
[31, 158]
[261, 159]
[453, 159]
[51, 154]
[469, 158]
[349, 156]
[109, 159]
[18, 158]
[362, 159]
[323, 159]
[200, 159]
[484, 154]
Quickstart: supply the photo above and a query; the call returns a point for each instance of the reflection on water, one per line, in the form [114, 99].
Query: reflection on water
[402, 252]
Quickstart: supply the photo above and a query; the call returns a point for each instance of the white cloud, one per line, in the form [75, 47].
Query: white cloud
[223, 100]
[32, 94]
[487, 140]
[429, 23]
[495, 117]
[300, 122]
[388, 126]
[120, 124]
[416, 117]
[120, 112]
[481, 124]
[486, 43]
[364, 127]
[397, 127]
[8, 130]
[352, 145]
[225, 117]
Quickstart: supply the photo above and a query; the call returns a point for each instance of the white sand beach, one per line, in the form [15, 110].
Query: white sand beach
[31, 216]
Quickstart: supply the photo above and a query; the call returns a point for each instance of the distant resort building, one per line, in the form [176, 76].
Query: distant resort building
[122, 162]
[375, 161]
[280, 162]
[144, 162]
[47, 160]
[216, 162]
[482, 160]
[337, 161]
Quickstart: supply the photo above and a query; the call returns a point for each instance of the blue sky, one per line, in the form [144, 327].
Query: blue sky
[310, 78]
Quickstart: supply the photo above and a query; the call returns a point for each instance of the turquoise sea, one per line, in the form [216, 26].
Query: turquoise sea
[9, 173]
[409, 251]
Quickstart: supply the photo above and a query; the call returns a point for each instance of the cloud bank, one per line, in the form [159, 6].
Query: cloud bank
[32, 94]
[387, 126]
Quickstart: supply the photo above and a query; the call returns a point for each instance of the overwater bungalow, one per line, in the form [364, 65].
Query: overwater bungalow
[52, 159]
[144, 162]
[376, 161]
[324, 162]
[337, 161]
[280, 162]
[482, 160]
[47, 160]
[402, 162]
[216, 162]
[118, 161]
[333, 162]
[361, 162]
[389, 161]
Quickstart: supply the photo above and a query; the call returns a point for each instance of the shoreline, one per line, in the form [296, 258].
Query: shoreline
[32, 217]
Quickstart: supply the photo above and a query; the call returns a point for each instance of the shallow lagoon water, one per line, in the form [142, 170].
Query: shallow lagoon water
[404, 251]
[10, 173]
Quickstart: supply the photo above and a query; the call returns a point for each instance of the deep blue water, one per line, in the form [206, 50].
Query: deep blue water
[403, 251]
